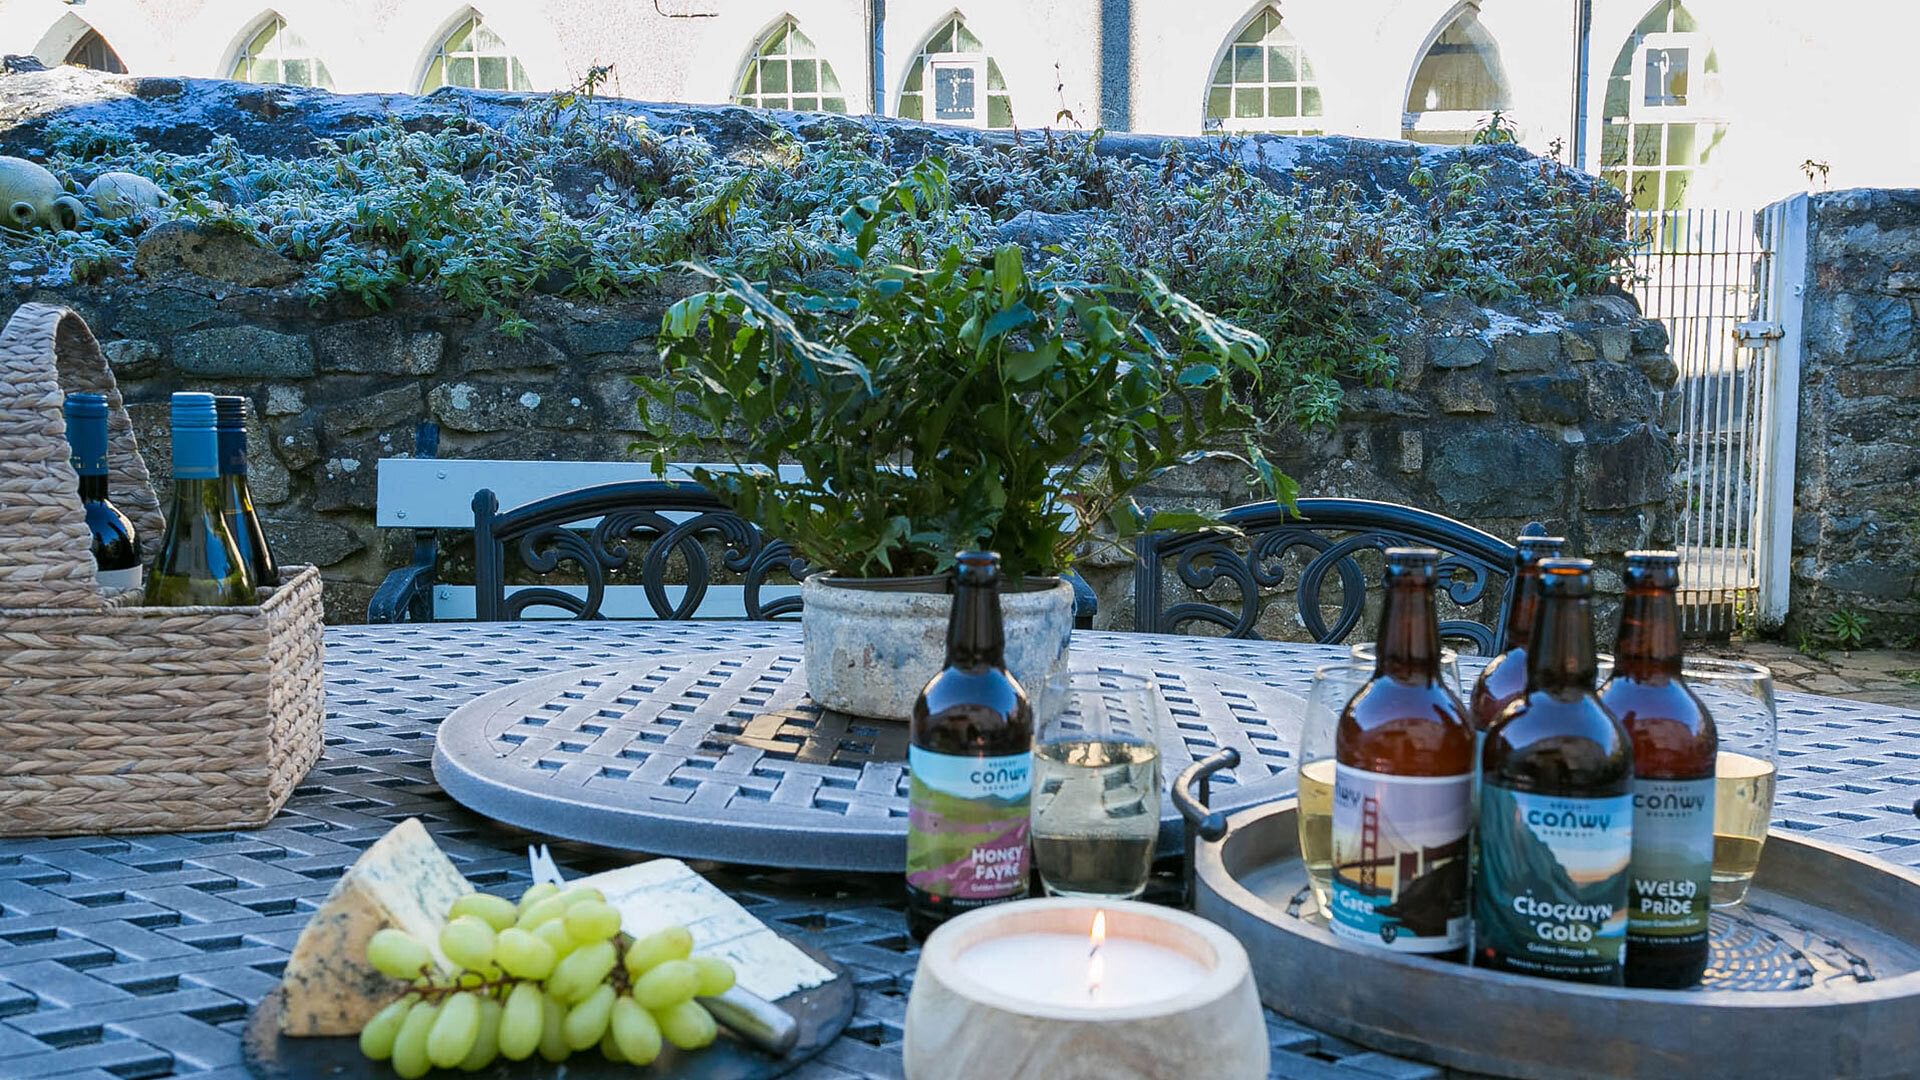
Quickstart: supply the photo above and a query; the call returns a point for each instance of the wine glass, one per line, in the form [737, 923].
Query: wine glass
[1096, 792]
[1449, 664]
[1333, 687]
[1739, 696]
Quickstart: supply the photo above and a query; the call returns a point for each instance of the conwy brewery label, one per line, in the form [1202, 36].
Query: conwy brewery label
[1553, 880]
[967, 824]
[1400, 859]
[1672, 860]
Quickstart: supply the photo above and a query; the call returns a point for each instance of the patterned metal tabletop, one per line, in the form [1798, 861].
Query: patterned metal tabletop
[722, 756]
[138, 956]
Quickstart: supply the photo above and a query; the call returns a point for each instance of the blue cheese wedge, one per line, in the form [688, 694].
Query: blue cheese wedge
[404, 881]
[666, 892]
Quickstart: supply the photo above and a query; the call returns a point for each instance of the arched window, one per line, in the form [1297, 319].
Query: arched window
[786, 72]
[1457, 86]
[1264, 82]
[1661, 120]
[475, 57]
[945, 82]
[92, 51]
[275, 54]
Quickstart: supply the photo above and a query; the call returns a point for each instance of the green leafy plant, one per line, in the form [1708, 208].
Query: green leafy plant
[934, 401]
[1847, 628]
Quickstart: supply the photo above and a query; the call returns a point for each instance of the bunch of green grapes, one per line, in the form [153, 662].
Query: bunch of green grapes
[551, 974]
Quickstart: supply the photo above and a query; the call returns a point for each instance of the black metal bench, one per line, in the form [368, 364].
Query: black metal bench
[1320, 542]
[635, 528]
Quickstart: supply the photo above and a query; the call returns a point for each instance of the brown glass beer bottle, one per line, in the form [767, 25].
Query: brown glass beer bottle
[1403, 784]
[1504, 678]
[1556, 806]
[970, 760]
[1674, 750]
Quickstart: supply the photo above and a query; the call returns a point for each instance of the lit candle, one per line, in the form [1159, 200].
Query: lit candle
[1079, 969]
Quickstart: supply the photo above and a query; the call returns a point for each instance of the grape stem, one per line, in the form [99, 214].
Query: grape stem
[425, 985]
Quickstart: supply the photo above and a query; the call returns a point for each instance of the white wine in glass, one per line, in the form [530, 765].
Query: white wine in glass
[1742, 804]
[1333, 686]
[1739, 694]
[1316, 826]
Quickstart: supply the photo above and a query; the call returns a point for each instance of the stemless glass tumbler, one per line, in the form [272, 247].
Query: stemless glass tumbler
[1096, 787]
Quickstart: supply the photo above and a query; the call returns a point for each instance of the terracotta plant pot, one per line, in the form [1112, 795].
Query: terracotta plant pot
[872, 643]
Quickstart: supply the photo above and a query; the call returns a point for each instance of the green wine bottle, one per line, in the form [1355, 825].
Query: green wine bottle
[236, 499]
[116, 547]
[199, 562]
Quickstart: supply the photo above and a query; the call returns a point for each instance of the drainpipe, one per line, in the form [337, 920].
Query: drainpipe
[1582, 58]
[876, 56]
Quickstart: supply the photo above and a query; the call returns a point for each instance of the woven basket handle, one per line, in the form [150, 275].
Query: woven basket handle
[45, 555]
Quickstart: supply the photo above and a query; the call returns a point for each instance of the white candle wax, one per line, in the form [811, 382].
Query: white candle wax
[1053, 969]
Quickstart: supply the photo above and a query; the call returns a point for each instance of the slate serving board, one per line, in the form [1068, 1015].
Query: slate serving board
[823, 1013]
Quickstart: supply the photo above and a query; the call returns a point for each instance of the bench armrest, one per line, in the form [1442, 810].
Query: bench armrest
[406, 595]
[1086, 603]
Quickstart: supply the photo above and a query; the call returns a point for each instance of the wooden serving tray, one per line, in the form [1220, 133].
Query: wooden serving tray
[1816, 975]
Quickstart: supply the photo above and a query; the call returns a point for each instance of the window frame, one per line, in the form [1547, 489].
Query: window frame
[473, 22]
[753, 68]
[974, 62]
[1304, 127]
[1703, 95]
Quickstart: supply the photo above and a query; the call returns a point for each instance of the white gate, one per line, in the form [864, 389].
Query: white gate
[1727, 284]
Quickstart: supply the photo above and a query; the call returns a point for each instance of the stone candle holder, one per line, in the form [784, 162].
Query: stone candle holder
[1199, 1018]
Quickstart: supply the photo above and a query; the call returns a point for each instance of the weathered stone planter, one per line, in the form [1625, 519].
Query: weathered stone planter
[872, 644]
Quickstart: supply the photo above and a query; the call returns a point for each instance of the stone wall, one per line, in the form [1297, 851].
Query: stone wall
[1559, 417]
[1856, 529]
[1497, 417]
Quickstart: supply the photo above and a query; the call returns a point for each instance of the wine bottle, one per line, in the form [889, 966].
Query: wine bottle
[236, 498]
[199, 562]
[116, 547]
[970, 764]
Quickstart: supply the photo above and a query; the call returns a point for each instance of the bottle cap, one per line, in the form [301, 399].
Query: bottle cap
[231, 411]
[1653, 569]
[1413, 564]
[195, 444]
[193, 410]
[1534, 548]
[1653, 558]
[87, 433]
[976, 567]
[86, 406]
[1566, 577]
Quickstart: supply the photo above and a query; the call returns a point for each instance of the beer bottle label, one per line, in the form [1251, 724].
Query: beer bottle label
[1400, 859]
[1551, 895]
[1672, 867]
[967, 824]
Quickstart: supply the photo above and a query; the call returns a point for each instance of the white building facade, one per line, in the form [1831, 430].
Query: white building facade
[1701, 103]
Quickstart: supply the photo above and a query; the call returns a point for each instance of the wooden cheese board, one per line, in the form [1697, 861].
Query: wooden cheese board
[822, 1013]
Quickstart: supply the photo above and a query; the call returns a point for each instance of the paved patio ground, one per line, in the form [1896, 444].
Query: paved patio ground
[1886, 676]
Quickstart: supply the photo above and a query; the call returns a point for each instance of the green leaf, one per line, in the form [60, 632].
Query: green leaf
[1007, 273]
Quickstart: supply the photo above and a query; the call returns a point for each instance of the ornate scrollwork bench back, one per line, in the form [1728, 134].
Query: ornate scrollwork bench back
[1304, 550]
[642, 524]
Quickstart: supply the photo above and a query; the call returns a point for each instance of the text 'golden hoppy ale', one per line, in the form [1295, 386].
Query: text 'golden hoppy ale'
[1556, 806]
[1504, 679]
[1674, 749]
[970, 761]
[1403, 784]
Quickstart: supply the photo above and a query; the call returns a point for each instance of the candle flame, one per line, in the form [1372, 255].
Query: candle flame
[1096, 963]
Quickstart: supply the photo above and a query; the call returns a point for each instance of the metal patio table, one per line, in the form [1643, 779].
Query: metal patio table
[138, 956]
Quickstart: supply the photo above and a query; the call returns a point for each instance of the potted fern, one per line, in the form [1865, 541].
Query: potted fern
[935, 401]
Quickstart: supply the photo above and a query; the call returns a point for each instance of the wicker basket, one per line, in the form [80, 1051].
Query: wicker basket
[116, 717]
